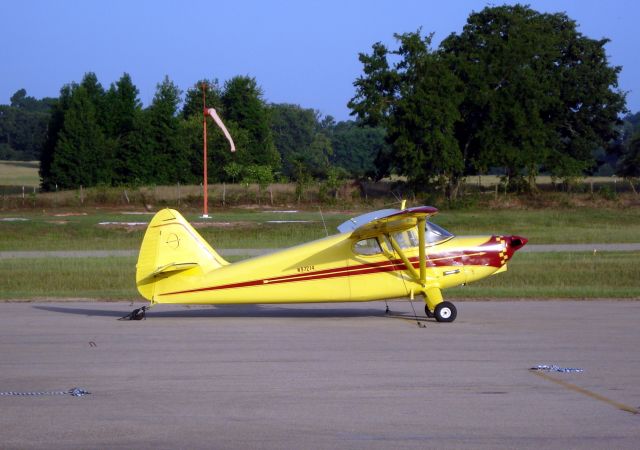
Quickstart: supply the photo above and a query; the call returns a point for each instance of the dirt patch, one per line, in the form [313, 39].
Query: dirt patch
[133, 226]
[127, 226]
[224, 224]
[70, 214]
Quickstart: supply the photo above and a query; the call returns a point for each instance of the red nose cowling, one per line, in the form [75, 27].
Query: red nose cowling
[516, 242]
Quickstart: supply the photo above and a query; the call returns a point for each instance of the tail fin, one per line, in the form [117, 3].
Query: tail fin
[171, 246]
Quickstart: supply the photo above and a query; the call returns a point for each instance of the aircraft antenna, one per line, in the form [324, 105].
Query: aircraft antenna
[323, 222]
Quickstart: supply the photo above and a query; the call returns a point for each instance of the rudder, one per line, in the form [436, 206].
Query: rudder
[171, 246]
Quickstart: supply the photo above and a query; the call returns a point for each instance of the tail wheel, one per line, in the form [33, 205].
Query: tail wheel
[445, 312]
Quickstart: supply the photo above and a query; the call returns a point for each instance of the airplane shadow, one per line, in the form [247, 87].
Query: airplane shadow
[230, 311]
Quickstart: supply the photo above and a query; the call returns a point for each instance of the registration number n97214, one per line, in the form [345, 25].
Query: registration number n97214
[303, 269]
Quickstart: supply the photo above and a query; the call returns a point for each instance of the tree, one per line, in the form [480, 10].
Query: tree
[317, 156]
[79, 153]
[218, 155]
[56, 123]
[260, 175]
[23, 126]
[244, 106]
[515, 89]
[537, 93]
[193, 98]
[417, 101]
[21, 100]
[360, 150]
[629, 163]
[626, 131]
[126, 128]
[232, 171]
[293, 129]
[169, 144]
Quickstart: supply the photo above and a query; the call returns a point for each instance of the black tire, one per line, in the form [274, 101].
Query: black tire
[428, 313]
[445, 312]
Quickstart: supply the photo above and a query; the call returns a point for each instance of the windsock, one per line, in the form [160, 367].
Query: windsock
[212, 112]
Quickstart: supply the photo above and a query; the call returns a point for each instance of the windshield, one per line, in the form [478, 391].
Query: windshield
[435, 233]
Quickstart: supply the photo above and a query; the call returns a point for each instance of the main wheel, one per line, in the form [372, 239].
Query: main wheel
[428, 312]
[445, 312]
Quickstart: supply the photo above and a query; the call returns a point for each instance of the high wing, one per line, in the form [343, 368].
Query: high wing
[388, 221]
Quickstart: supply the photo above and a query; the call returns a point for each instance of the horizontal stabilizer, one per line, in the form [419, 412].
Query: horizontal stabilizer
[172, 267]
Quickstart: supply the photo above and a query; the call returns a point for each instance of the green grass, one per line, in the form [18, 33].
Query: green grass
[549, 226]
[561, 275]
[250, 228]
[95, 278]
[19, 173]
[239, 229]
[530, 276]
[87, 278]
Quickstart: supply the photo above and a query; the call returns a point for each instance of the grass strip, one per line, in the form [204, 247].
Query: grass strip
[253, 229]
[530, 276]
[561, 275]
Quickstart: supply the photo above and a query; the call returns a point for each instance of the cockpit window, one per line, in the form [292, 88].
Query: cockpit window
[367, 247]
[436, 233]
[407, 238]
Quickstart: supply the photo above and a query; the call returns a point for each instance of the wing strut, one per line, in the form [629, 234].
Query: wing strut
[432, 294]
[422, 222]
[421, 277]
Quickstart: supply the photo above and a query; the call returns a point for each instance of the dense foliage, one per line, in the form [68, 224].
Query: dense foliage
[516, 89]
[23, 124]
[105, 137]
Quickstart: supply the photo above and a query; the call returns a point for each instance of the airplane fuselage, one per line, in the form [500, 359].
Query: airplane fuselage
[330, 269]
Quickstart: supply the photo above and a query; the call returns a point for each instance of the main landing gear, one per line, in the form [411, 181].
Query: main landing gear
[443, 312]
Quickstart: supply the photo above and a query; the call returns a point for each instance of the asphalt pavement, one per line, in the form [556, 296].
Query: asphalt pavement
[320, 376]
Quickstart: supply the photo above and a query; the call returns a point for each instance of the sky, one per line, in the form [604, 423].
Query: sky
[300, 52]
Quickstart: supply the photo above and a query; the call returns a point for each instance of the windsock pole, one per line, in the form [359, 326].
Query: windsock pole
[205, 212]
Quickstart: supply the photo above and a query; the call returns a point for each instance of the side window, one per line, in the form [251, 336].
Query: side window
[406, 239]
[367, 247]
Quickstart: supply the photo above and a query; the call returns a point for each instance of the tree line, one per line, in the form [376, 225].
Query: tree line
[23, 126]
[516, 93]
[100, 136]
[517, 90]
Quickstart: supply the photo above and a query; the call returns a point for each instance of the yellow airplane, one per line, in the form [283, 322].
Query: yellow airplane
[384, 254]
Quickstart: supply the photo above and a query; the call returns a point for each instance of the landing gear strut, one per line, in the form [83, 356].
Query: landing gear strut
[428, 312]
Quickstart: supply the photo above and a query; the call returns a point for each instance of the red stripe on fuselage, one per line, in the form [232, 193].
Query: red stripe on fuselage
[468, 257]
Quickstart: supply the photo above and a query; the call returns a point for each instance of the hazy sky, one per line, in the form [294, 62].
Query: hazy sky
[302, 52]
